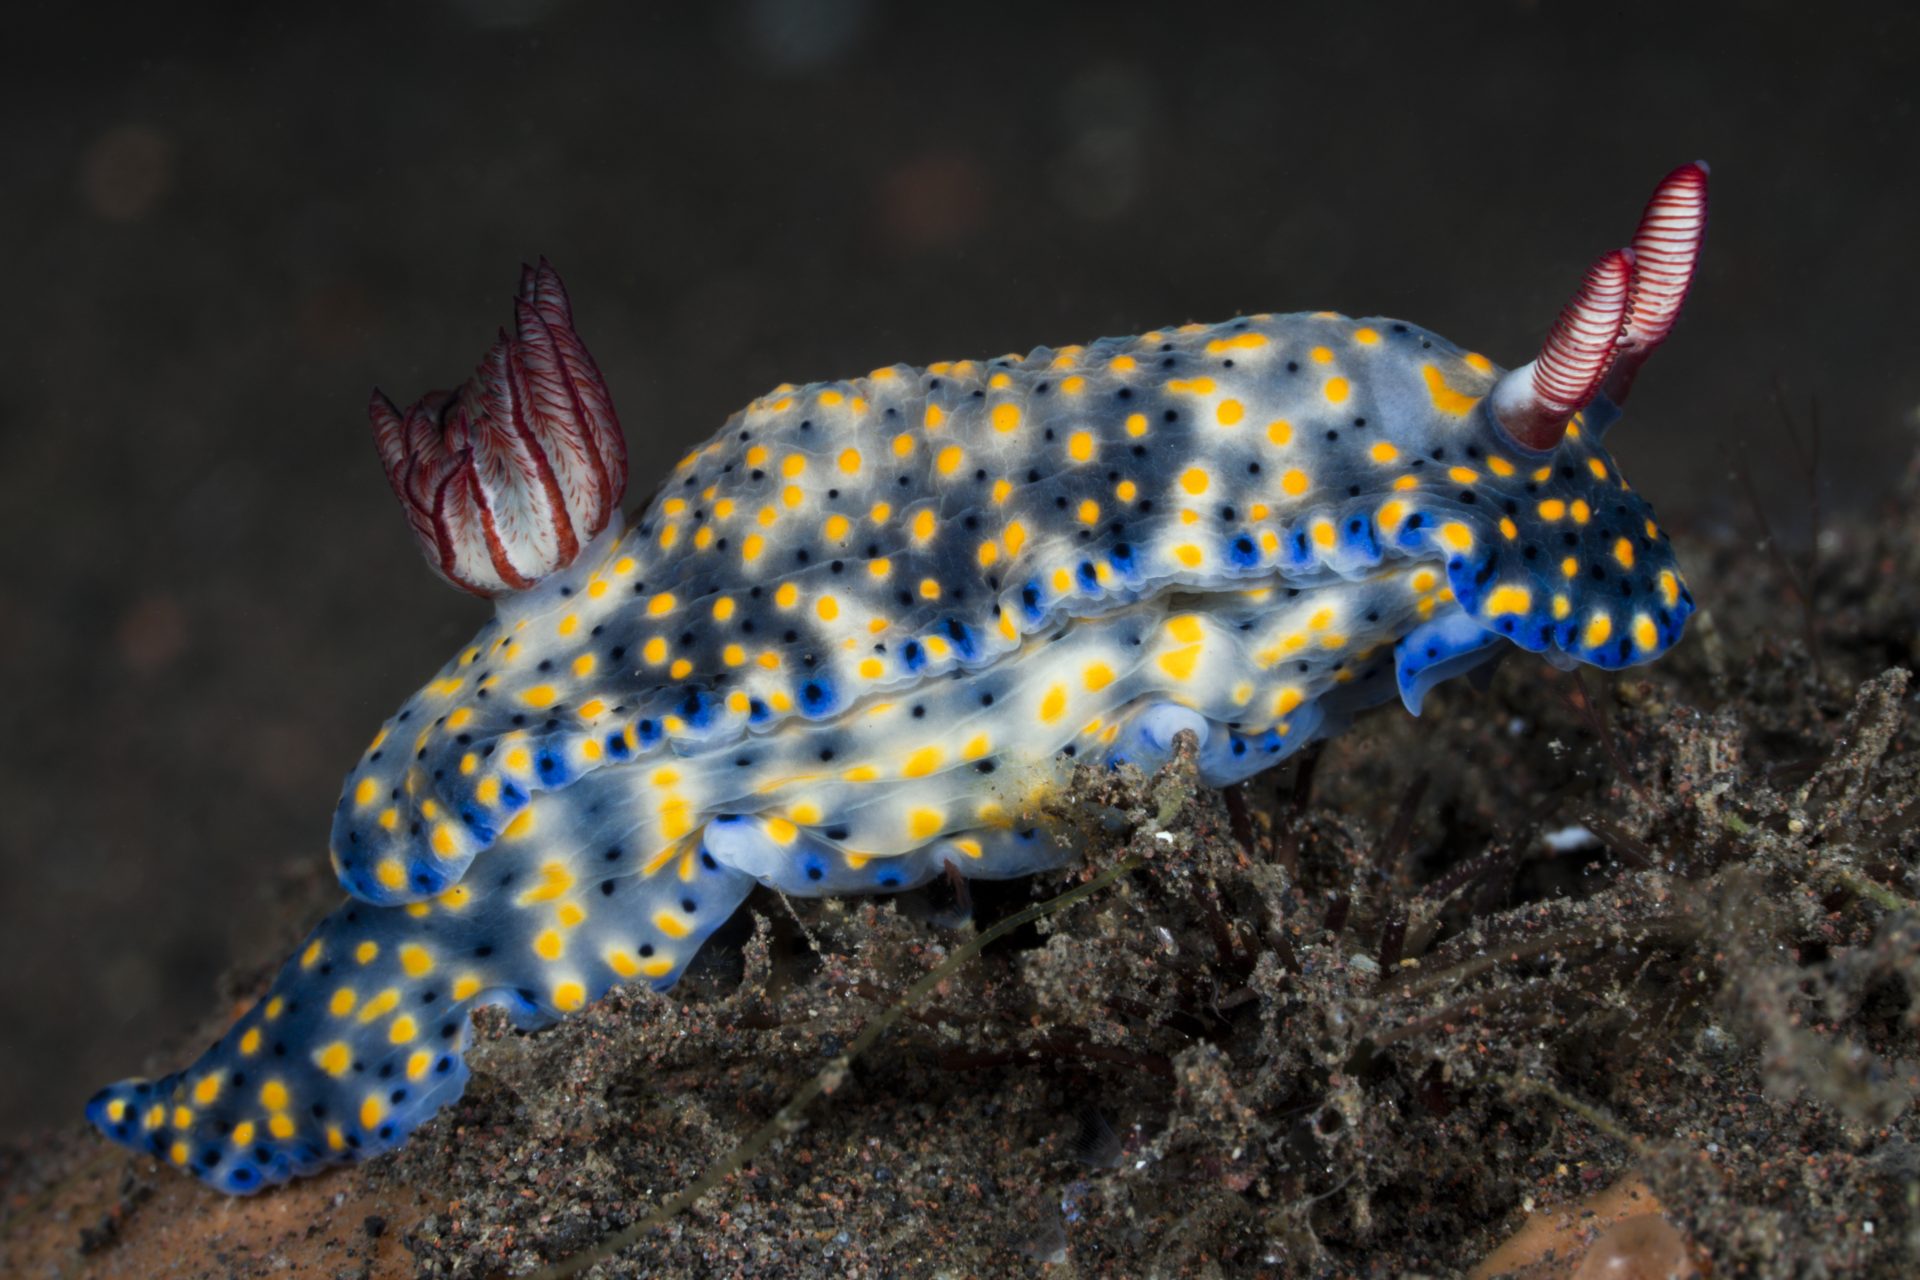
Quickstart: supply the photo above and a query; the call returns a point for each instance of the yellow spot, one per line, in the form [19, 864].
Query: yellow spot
[1462, 475]
[521, 825]
[250, 1042]
[373, 1109]
[1599, 627]
[1180, 663]
[1445, 398]
[1080, 446]
[206, 1090]
[1136, 424]
[924, 525]
[1581, 511]
[1508, 529]
[1195, 480]
[1504, 600]
[1366, 337]
[1191, 386]
[1123, 364]
[1456, 536]
[662, 603]
[342, 1003]
[1280, 431]
[924, 824]
[1323, 534]
[178, 1153]
[671, 924]
[1096, 676]
[403, 1029]
[364, 793]
[540, 695]
[273, 1096]
[1623, 552]
[921, 763]
[750, 549]
[1338, 390]
[1189, 555]
[1391, 513]
[1006, 416]
[1089, 512]
[242, 1135]
[1054, 704]
[929, 589]
[1286, 700]
[1294, 482]
[1230, 413]
[1383, 452]
[1644, 633]
[1669, 587]
[275, 1007]
[415, 960]
[1598, 468]
[933, 417]
[568, 996]
[1569, 567]
[1561, 607]
[949, 460]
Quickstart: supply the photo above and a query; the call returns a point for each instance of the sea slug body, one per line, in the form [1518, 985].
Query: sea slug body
[858, 633]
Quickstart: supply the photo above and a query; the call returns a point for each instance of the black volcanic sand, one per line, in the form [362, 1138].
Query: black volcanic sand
[1353, 1021]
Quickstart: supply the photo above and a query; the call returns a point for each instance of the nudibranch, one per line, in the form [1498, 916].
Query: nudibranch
[854, 636]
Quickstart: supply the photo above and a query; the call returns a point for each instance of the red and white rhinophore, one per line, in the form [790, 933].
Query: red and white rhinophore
[1624, 309]
[506, 479]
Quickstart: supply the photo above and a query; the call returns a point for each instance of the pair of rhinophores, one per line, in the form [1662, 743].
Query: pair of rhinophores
[856, 635]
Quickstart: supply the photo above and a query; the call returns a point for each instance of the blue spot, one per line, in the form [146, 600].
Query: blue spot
[696, 709]
[551, 768]
[1122, 558]
[758, 711]
[816, 696]
[617, 746]
[512, 796]
[1242, 552]
[913, 655]
[1360, 535]
[963, 639]
[477, 823]
[1030, 601]
[1089, 579]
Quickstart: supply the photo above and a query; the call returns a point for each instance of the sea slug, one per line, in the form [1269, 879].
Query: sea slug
[855, 635]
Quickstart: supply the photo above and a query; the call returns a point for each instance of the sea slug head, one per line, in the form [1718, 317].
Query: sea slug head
[505, 480]
[1545, 543]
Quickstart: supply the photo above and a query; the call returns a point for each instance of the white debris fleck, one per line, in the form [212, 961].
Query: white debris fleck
[1570, 839]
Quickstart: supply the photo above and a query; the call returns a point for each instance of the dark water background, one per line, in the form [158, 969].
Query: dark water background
[221, 227]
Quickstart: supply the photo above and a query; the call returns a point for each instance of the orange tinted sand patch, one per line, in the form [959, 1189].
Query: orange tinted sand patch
[185, 1231]
[1619, 1233]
